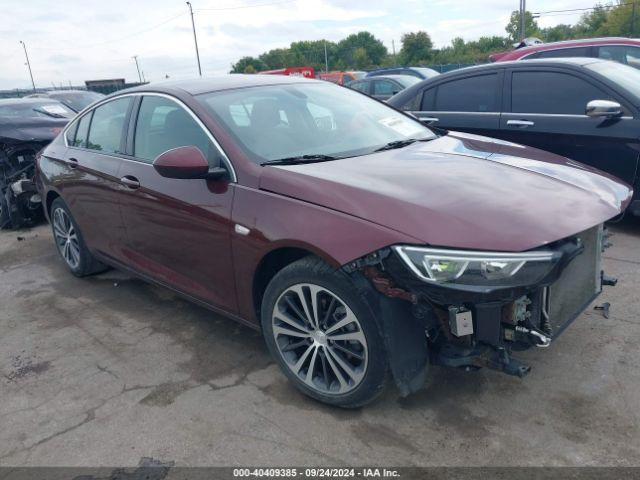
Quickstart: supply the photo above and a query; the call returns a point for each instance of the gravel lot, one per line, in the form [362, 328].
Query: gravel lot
[107, 370]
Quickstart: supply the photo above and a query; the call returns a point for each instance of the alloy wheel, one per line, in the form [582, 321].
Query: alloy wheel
[66, 238]
[320, 339]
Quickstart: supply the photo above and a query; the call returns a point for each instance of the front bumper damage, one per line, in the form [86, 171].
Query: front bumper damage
[470, 327]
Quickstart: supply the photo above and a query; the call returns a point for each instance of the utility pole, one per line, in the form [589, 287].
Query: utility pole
[326, 59]
[523, 12]
[633, 19]
[135, 58]
[195, 39]
[33, 84]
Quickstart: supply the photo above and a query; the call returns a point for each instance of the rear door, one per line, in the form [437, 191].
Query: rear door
[469, 104]
[546, 109]
[178, 230]
[92, 188]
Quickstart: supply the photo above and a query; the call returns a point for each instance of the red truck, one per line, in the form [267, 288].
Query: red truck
[307, 72]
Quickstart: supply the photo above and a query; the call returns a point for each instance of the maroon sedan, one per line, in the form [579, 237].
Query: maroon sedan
[623, 50]
[362, 244]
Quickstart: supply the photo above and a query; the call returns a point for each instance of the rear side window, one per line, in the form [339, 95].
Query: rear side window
[70, 134]
[474, 94]
[107, 126]
[163, 125]
[552, 93]
[561, 53]
[80, 138]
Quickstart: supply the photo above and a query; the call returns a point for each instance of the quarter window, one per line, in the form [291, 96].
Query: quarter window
[70, 134]
[552, 93]
[164, 125]
[80, 139]
[474, 94]
[107, 126]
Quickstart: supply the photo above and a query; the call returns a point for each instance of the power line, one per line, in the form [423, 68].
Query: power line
[570, 11]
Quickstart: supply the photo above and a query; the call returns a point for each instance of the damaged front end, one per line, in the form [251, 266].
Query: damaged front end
[473, 309]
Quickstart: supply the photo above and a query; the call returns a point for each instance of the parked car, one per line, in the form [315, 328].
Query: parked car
[76, 100]
[356, 239]
[26, 126]
[622, 50]
[419, 72]
[339, 78]
[583, 109]
[383, 87]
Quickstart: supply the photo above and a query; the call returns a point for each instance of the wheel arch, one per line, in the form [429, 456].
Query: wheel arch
[49, 199]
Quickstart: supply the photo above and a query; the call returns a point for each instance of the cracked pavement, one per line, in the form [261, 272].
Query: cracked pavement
[107, 370]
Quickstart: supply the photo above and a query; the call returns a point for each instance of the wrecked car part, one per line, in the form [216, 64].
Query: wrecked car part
[604, 308]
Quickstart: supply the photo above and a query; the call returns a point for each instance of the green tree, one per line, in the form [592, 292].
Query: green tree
[360, 50]
[531, 28]
[248, 63]
[591, 23]
[417, 48]
[557, 33]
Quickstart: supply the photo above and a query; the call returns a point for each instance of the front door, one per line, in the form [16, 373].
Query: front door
[547, 111]
[179, 230]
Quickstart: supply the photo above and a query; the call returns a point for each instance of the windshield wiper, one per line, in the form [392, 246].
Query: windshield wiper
[397, 144]
[300, 160]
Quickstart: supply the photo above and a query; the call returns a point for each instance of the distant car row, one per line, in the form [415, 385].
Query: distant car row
[584, 109]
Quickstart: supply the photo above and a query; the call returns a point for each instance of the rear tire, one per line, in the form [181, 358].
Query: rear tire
[323, 335]
[70, 243]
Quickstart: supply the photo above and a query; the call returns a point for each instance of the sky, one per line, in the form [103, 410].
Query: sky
[70, 41]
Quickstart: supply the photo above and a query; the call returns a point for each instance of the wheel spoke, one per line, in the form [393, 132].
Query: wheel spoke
[347, 351]
[336, 372]
[277, 330]
[294, 345]
[350, 318]
[355, 376]
[312, 364]
[299, 289]
[296, 310]
[357, 336]
[303, 358]
[285, 318]
[329, 311]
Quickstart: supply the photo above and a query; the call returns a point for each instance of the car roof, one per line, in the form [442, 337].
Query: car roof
[26, 101]
[221, 82]
[576, 61]
[391, 77]
[580, 41]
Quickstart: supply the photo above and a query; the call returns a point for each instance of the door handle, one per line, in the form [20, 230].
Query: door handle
[73, 163]
[520, 123]
[130, 181]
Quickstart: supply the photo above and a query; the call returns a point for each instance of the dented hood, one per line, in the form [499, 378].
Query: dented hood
[461, 191]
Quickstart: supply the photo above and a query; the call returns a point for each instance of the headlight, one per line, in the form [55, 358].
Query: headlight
[443, 266]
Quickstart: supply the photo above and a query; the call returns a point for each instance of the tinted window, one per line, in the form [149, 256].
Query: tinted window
[360, 86]
[163, 125]
[551, 93]
[619, 53]
[623, 75]
[107, 126]
[384, 87]
[80, 139]
[561, 53]
[428, 100]
[70, 134]
[474, 94]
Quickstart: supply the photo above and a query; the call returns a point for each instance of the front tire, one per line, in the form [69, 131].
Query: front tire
[70, 243]
[323, 335]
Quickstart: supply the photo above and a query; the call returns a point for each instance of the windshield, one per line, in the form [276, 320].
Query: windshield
[282, 121]
[77, 100]
[623, 75]
[30, 109]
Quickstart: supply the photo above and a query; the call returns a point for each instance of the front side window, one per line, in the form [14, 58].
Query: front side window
[384, 87]
[621, 53]
[164, 125]
[473, 94]
[283, 121]
[552, 93]
[360, 86]
[107, 127]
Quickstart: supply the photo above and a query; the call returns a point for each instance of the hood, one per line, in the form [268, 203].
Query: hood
[460, 191]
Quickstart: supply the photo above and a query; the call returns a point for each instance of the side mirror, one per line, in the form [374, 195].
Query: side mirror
[603, 109]
[184, 163]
